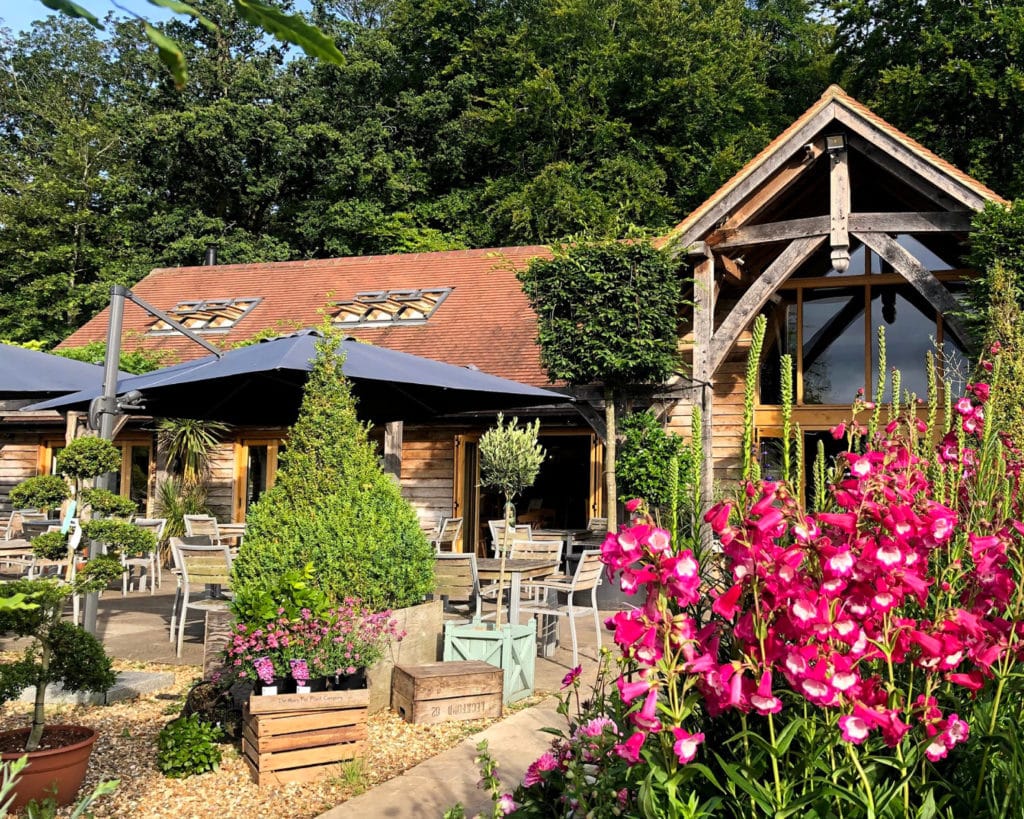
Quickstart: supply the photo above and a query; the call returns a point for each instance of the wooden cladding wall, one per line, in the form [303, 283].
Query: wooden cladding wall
[428, 469]
[427, 472]
[220, 489]
[727, 427]
[19, 459]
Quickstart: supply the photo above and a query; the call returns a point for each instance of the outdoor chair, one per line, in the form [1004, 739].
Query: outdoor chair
[497, 527]
[563, 603]
[455, 578]
[149, 563]
[200, 565]
[597, 524]
[447, 535]
[549, 550]
[41, 567]
[199, 525]
[18, 517]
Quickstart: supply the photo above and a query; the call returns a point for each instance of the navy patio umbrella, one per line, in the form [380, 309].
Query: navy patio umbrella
[30, 374]
[262, 385]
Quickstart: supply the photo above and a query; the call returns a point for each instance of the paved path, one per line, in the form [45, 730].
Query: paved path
[438, 783]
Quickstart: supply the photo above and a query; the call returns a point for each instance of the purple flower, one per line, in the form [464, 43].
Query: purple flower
[264, 669]
[300, 671]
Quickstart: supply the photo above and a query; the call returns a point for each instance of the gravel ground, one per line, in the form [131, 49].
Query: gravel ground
[126, 750]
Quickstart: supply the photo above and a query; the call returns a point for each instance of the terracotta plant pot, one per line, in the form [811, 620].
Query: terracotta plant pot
[63, 767]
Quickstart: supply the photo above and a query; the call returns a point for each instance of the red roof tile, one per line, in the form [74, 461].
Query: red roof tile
[485, 321]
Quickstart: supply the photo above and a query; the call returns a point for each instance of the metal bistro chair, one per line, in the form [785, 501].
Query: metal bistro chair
[447, 535]
[455, 578]
[548, 550]
[15, 523]
[587, 577]
[199, 525]
[149, 562]
[497, 527]
[200, 565]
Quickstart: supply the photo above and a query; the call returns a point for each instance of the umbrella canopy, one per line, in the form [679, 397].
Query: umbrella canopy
[34, 375]
[262, 385]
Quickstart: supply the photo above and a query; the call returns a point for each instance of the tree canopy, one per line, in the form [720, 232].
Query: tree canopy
[447, 124]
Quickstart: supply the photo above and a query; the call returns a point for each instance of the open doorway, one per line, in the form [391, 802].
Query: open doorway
[565, 495]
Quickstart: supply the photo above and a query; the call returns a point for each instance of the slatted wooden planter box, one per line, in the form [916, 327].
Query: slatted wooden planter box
[295, 737]
[439, 692]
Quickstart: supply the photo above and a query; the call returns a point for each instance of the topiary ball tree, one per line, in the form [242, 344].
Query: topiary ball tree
[331, 505]
[43, 492]
[87, 457]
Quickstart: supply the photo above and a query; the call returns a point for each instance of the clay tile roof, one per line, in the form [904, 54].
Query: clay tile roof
[833, 94]
[485, 320]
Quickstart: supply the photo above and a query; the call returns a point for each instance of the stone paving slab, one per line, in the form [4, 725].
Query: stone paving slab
[438, 783]
[129, 685]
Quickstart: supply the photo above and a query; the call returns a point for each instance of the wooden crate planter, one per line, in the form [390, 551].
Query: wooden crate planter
[296, 737]
[439, 692]
[513, 648]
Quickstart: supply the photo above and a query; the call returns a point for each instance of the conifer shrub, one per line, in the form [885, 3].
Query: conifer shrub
[331, 505]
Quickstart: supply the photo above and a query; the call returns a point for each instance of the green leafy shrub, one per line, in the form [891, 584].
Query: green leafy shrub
[331, 505]
[647, 459]
[61, 652]
[174, 500]
[188, 746]
[105, 502]
[43, 492]
[121, 536]
[50, 546]
[292, 591]
[510, 457]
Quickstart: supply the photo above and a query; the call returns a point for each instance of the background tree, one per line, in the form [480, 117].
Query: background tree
[66, 182]
[450, 124]
[607, 314]
[271, 18]
[948, 72]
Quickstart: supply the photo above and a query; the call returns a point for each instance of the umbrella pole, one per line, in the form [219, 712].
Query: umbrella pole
[108, 409]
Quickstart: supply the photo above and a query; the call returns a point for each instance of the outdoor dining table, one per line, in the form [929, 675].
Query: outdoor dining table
[489, 568]
[576, 540]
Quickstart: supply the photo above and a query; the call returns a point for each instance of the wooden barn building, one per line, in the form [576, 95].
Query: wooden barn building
[841, 224]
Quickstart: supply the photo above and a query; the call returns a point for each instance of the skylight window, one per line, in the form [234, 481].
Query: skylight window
[390, 306]
[206, 315]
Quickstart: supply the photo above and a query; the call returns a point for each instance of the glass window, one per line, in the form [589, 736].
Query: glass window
[910, 333]
[780, 339]
[138, 485]
[833, 345]
[257, 474]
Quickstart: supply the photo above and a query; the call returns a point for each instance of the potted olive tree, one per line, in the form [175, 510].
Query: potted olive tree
[510, 459]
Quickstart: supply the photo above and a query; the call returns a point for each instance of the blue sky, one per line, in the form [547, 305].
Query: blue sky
[18, 15]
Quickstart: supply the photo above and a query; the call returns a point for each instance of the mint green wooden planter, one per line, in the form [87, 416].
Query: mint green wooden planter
[513, 649]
